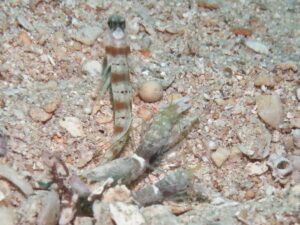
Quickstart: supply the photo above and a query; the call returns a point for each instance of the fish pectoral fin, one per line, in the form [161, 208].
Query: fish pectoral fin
[102, 87]
[106, 83]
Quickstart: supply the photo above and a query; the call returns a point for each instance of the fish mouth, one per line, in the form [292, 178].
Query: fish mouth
[118, 33]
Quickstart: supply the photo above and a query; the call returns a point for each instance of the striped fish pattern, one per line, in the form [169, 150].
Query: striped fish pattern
[116, 76]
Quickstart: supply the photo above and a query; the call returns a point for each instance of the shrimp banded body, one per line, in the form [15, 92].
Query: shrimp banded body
[115, 72]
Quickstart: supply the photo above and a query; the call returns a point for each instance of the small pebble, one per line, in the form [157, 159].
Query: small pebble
[288, 142]
[256, 168]
[270, 109]
[39, 115]
[276, 136]
[134, 26]
[295, 160]
[255, 140]
[24, 38]
[75, 46]
[92, 68]
[103, 119]
[119, 193]
[250, 194]
[287, 66]
[126, 214]
[295, 122]
[294, 195]
[7, 215]
[73, 125]
[257, 46]
[59, 52]
[151, 91]
[212, 145]
[174, 28]
[53, 104]
[145, 113]
[298, 93]
[264, 80]
[101, 213]
[67, 214]
[220, 156]
[296, 137]
[87, 34]
[59, 37]
[235, 154]
[50, 209]
[88, 110]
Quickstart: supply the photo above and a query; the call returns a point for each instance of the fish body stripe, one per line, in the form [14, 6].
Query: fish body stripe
[119, 105]
[114, 51]
[118, 77]
[118, 129]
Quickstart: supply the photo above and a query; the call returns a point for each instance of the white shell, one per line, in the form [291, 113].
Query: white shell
[281, 167]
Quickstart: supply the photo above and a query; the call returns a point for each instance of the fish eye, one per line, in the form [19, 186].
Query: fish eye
[122, 24]
[115, 21]
[109, 24]
[112, 23]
